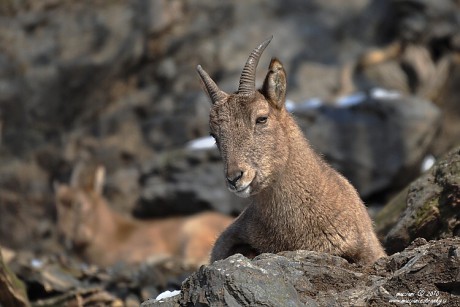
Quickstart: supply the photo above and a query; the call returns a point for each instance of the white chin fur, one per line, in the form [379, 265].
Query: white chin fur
[244, 193]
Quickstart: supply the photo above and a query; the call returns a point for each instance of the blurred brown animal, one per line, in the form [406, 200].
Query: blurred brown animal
[298, 200]
[102, 236]
[428, 78]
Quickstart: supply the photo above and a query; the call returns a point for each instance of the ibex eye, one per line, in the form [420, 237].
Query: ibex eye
[261, 120]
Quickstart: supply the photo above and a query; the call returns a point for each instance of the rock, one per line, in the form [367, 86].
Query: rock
[56, 280]
[184, 182]
[431, 205]
[12, 290]
[448, 136]
[426, 271]
[25, 196]
[427, 63]
[377, 143]
[389, 215]
[421, 21]
[59, 61]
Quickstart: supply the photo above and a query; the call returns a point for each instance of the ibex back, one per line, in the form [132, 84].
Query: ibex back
[298, 200]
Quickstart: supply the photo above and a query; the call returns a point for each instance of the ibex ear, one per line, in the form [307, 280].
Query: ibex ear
[274, 88]
[99, 179]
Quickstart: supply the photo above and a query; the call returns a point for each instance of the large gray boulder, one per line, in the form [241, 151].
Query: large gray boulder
[183, 182]
[430, 206]
[377, 143]
[425, 273]
[57, 62]
[427, 65]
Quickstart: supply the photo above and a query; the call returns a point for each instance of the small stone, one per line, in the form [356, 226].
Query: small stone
[454, 252]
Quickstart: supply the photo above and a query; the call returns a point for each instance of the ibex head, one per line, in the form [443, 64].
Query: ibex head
[249, 126]
[76, 203]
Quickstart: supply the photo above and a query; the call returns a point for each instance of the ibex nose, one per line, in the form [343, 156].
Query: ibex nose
[233, 177]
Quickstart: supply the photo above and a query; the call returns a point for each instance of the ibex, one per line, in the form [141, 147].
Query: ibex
[416, 71]
[298, 200]
[102, 236]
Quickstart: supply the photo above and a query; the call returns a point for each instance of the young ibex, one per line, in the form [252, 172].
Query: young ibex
[103, 237]
[298, 201]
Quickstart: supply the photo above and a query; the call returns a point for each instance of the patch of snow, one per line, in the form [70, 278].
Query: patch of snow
[36, 263]
[380, 93]
[308, 104]
[167, 294]
[203, 143]
[351, 100]
[290, 105]
[427, 163]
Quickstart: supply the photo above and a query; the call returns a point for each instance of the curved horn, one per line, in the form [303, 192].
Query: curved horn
[248, 76]
[211, 87]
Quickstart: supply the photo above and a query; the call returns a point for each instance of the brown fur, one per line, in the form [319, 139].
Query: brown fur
[298, 200]
[103, 237]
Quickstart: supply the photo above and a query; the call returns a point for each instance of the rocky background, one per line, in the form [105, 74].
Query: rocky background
[115, 82]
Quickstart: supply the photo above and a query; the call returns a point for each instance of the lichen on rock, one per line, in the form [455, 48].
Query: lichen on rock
[432, 208]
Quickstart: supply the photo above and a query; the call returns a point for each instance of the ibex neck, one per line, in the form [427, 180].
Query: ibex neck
[295, 199]
[301, 176]
[112, 223]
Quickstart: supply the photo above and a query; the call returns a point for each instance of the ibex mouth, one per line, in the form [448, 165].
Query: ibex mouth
[243, 185]
[244, 191]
